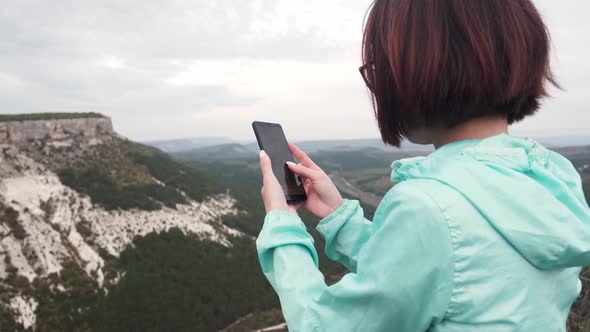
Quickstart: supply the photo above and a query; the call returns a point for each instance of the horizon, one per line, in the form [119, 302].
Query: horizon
[222, 140]
[187, 69]
[8, 117]
[253, 140]
[559, 141]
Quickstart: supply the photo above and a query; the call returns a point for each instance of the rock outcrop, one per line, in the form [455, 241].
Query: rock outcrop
[21, 132]
[45, 225]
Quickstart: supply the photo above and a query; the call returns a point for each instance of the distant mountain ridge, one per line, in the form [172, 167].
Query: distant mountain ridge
[232, 150]
[177, 145]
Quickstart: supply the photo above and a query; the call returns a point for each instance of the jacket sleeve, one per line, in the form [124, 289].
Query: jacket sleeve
[403, 280]
[346, 231]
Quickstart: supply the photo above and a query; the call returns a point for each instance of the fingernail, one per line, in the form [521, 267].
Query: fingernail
[262, 153]
[290, 163]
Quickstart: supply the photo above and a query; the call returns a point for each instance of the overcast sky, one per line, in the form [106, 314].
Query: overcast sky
[188, 68]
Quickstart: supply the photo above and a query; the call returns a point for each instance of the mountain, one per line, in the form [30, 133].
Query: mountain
[237, 151]
[176, 145]
[356, 144]
[98, 233]
[233, 151]
[564, 141]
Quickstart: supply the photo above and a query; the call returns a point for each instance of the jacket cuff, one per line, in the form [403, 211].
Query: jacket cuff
[282, 228]
[330, 225]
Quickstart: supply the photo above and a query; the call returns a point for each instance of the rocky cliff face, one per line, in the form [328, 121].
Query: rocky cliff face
[21, 132]
[45, 225]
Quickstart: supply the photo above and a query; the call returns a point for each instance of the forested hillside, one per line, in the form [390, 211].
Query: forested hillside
[98, 233]
[178, 282]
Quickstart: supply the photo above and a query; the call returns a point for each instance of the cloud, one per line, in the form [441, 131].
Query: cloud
[165, 69]
[126, 58]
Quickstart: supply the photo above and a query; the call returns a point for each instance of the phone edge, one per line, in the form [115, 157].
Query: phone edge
[254, 123]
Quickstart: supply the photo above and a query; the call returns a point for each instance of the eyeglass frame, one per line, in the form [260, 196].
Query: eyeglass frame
[363, 70]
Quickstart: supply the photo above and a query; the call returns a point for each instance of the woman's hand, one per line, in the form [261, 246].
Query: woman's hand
[323, 197]
[272, 192]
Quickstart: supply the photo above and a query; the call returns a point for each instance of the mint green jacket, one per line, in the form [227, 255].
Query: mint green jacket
[481, 235]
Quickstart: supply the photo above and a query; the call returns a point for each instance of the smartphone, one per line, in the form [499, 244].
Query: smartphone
[271, 139]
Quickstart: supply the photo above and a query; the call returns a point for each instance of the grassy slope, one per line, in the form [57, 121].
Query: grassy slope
[123, 175]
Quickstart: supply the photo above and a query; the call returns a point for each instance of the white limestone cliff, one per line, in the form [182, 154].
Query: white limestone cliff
[51, 224]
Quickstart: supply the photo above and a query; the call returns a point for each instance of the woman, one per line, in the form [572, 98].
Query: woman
[488, 233]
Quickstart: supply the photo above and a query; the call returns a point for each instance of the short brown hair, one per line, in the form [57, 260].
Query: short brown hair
[438, 63]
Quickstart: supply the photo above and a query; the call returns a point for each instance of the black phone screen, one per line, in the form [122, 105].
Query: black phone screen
[271, 139]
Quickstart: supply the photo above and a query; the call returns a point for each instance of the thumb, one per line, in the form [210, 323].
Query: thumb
[265, 166]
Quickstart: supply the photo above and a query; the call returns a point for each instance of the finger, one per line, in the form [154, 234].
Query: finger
[303, 171]
[307, 187]
[265, 167]
[301, 156]
[265, 163]
[305, 182]
[272, 192]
